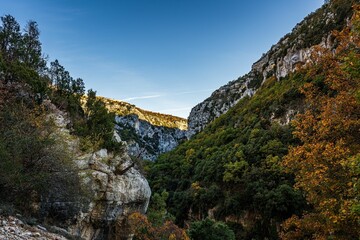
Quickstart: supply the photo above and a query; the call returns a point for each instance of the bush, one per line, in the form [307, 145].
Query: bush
[34, 167]
[210, 230]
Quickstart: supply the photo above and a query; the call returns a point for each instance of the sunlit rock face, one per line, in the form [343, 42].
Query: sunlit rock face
[292, 52]
[117, 189]
[221, 101]
[121, 108]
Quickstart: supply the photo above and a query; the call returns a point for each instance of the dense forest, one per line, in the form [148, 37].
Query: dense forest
[266, 180]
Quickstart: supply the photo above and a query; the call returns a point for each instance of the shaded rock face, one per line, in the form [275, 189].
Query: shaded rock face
[292, 52]
[147, 141]
[117, 189]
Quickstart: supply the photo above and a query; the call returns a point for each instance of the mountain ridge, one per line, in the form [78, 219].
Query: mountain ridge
[122, 108]
[291, 52]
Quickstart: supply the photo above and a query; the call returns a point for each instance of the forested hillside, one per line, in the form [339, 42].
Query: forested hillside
[266, 178]
[291, 52]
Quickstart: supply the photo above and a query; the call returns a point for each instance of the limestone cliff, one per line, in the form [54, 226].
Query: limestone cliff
[116, 188]
[145, 140]
[290, 53]
[121, 108]
[146, 133]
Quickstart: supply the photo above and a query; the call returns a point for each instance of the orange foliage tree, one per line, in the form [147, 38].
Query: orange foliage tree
[326, 164]
[143, 229]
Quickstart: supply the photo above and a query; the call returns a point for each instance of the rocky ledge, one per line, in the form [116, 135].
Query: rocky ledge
[12, 228]
[117, 189]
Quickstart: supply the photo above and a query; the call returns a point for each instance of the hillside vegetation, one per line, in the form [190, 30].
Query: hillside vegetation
[36, 164]
[267, 179]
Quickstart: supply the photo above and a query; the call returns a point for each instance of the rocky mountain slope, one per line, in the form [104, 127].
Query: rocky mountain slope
[146, 133]
[121, 108]
[145, 140]
[291, 52]
[12, 228]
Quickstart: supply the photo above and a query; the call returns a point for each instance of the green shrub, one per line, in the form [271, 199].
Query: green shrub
[210, 230]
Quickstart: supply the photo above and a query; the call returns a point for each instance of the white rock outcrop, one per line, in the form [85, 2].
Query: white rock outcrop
[117, 189]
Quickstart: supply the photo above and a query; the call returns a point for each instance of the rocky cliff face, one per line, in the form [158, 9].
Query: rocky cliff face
[146, 133]
[116, 188]
[145, 140]
[289, 54]
[121, 108]
[221, 101]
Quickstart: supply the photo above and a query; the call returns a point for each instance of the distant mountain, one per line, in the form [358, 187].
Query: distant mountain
[122, 108]
[147, 133]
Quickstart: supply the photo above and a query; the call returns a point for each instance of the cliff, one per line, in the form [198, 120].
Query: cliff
[121, 108]
[145, 140]
[146, 133]
[292, 52]
[115, 189]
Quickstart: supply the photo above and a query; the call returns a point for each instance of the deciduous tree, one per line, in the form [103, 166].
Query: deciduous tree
[329, 131]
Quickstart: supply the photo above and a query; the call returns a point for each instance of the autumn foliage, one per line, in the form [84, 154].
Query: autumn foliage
[326, 164]
[143, 229]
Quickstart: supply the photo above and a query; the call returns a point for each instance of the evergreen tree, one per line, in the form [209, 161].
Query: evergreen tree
[31, 47]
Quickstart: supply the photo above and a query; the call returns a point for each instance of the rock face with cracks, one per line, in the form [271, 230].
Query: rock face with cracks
[117, 189]
[145, 140]
[292, 52]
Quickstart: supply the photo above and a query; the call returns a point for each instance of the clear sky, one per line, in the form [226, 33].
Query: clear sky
[161, 55]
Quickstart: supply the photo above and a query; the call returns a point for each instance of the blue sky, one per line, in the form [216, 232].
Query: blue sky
[161, 55]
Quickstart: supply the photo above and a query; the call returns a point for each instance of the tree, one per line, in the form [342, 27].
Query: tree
[60, 78]
[145, 230]
[34, 165]
[31, 47]
[10, 38]
[100, 122]
[324, 164]
[210, 230]
[157, 213]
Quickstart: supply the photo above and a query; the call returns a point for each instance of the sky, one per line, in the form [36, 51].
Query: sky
[161, 55]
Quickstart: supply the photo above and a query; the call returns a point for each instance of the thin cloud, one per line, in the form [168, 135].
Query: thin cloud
[143, 97]
[164, 95]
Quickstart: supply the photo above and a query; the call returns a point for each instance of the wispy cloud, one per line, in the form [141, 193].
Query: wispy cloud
[168, 94]
[143, 97]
